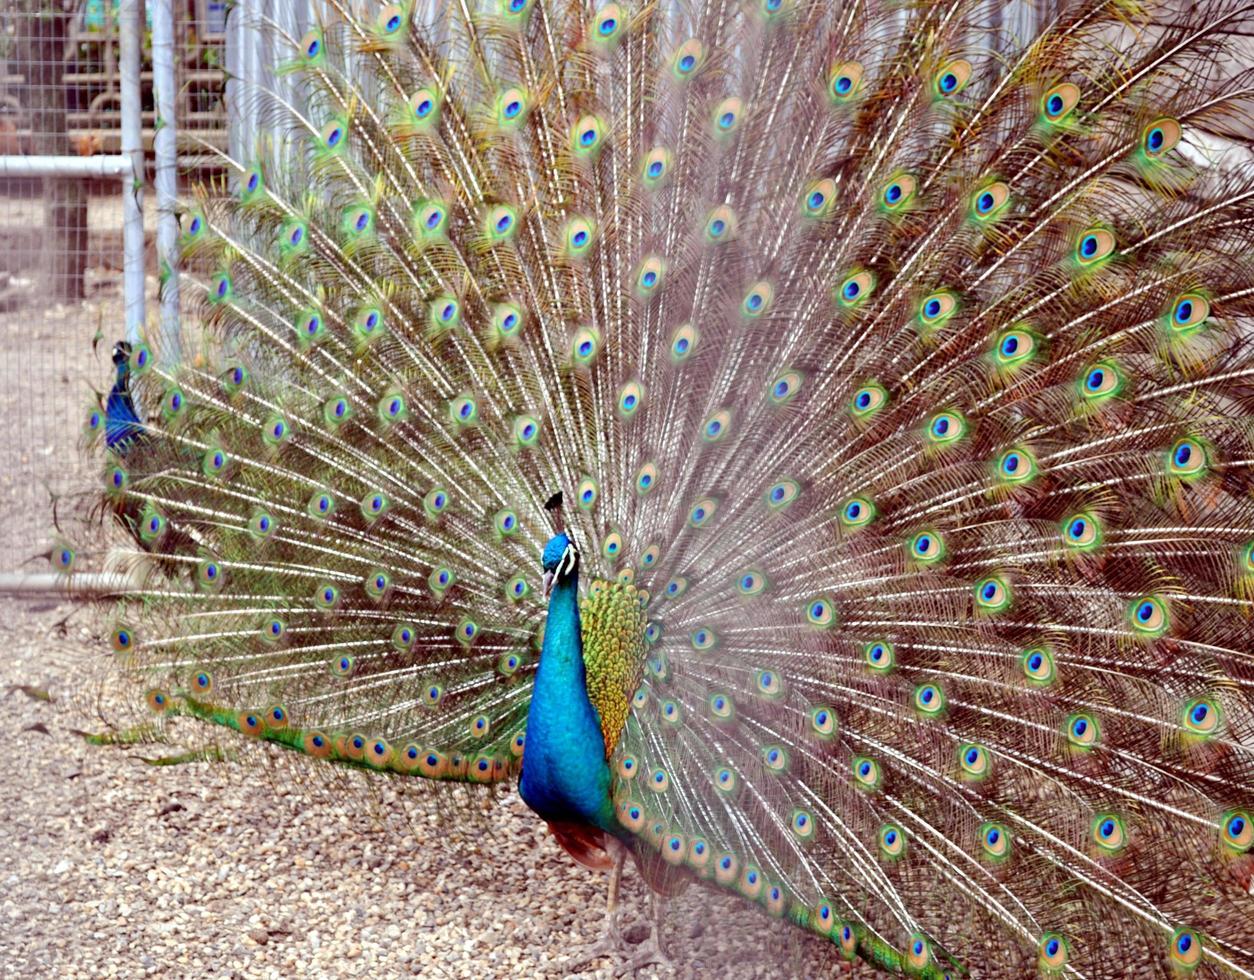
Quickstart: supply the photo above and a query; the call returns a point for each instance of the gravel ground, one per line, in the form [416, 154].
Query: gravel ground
[264, 867]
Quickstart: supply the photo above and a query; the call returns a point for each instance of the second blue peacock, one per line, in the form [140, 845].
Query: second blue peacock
[886, 370]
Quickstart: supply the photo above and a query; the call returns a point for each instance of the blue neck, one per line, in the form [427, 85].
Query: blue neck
[565, 778]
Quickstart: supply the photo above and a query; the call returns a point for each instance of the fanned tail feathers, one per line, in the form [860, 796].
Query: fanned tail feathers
[904, 364]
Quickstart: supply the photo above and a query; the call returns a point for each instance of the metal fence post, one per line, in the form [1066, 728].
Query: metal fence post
[165, 153]
[130, 41]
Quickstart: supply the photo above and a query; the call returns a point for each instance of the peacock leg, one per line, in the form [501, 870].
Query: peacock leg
[650, 952]
[611, 943]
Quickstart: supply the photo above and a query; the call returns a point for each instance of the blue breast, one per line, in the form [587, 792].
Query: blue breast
[122, 425]
[565, 778]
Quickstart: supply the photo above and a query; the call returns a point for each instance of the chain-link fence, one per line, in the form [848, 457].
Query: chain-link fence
[61, 237]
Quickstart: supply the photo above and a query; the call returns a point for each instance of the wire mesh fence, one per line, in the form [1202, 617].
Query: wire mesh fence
[61, 238]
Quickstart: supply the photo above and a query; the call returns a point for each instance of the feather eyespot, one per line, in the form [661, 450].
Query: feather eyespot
[994, 842]
[1108, 833]
[1052, 953]
[702, 512]
[509, 663]
[868, 400]
[444, 313]
[784, 387]
[63, 556]
[1159, 137]
[1038, 666]
[866, 773]
[945, 428]
[683, 343]
[780, 495]
[846, 940]
[819, 198]
[1058, 102]
[757, 300]
[645, 480]
[1083, 731]
[431, 219]
[334, 136]
[1082, 532]
[403, 637]
[726, 116]
[726, 781]
[511, 109]
[1188, 459]
[857, 512]
[441, 580]
[880, 656]
[1015, 466]
[992, 594]
[775, 758]
[750, 582]
[516, 588]
[1149, 616]
[500, 223]
[844, 81]
[424, 106]
[769, 683]
[1101, 381]
[720, 225]
[820, 612]
[650, 276]
[276, 430]
[655, 167]
[612, 545]
[1202, 718]
[855, 289]
[587, 492]
[892, 841]
[687, 60]
[1188, 312]
[1015, 347]
[936, 309]
[377, 583]
[1237, 831]
[929, 701]
[721, 707]
[587, 135]
[823, 721]
[898, 193]
[974, 761]
[526, 430]
[927, 547]
[919, 952]
[1186, 949]
[630, 398]
[608, 23]
[1093, 245]
[989, 201]
[952, 79]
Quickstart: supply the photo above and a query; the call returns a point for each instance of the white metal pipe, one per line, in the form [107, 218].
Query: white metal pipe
[130, 40]
[165, 154]
[48, 166]
[79, 584]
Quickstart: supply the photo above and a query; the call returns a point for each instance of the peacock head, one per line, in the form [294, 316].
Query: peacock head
[560, 561]
[121, 353]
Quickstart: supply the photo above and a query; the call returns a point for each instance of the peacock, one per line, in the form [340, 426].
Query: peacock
[808, 445]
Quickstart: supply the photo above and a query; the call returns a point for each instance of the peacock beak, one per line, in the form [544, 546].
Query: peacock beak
[548, 583]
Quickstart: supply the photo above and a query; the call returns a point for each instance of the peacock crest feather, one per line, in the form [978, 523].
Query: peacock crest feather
[896, 369]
